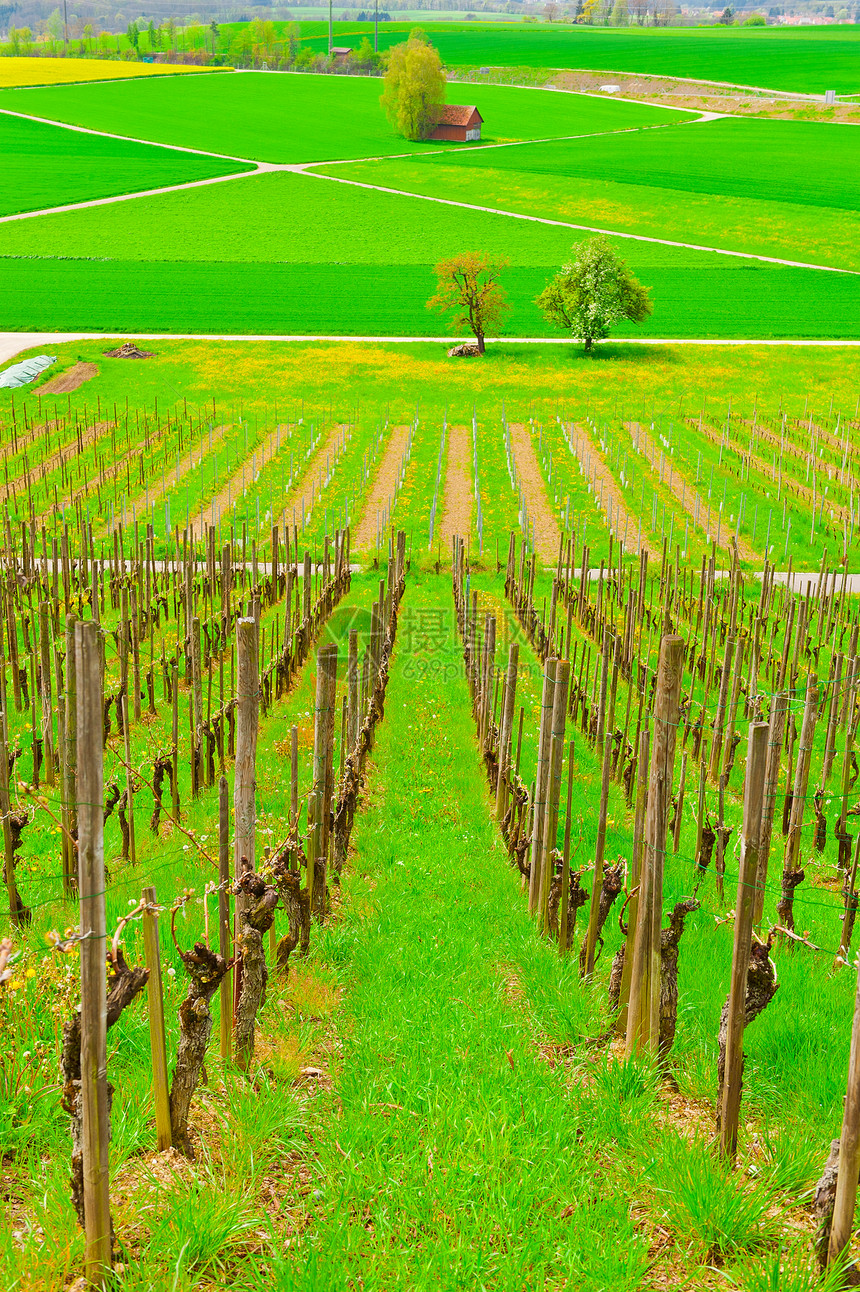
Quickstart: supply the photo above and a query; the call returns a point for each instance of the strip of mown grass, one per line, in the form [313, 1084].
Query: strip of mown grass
[470, 1138]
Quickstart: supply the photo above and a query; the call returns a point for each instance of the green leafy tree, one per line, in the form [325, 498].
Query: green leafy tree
[305, 59]
[593, 292]
[468, 287]
[133, 34]
[54, 25]
[364, 57]
[414, 86]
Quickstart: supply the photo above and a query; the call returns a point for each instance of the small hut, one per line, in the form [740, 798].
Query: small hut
[461, 125]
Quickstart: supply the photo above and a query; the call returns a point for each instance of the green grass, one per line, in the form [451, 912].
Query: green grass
[390, 380]
[301, 118]
[284, 219]
[798, 162]
[45, 165]
[806, 60]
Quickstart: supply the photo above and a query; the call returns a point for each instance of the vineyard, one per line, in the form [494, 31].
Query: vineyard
[462, 802]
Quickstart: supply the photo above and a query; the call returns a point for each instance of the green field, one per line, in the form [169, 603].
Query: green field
[271, 265]
[294, 118]
[300, 254]
[46, 166]
[785, 189]
[808, 60]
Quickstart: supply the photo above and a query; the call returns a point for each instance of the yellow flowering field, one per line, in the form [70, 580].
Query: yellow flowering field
[63, 71]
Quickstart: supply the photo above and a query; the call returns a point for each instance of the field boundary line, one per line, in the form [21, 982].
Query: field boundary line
[586, 228]
[130, 197]
[134, 139]
[586, 71]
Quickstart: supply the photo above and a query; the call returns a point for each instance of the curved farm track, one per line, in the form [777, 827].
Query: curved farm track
[382, 489]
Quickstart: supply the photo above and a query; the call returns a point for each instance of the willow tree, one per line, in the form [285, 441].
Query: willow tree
[414, 86]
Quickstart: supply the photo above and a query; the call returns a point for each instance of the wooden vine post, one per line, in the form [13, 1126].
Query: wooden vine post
[225, 1002]
[754, 785]
[635, 876]
[778, 711]
[504, 759]
[553, 787]
[792, 875]
[600, 849]
[541, 777]
[152, 951]
[244, 785]
[91, 884]
[643, 1016]
[323, 771]
[842, 1227]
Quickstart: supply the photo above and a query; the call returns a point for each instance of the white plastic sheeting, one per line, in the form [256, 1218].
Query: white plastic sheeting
[28, 370]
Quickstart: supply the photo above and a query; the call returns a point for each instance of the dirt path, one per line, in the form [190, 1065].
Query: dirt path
[547, 532]
[457, 499]
[691, 502]
[68, 381]
[382, 489]
[607, 496]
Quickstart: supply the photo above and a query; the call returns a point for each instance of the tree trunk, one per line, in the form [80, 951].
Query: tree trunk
[206, 969]
[255, 920]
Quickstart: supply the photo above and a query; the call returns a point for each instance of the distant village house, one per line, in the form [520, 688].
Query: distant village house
[457, 124]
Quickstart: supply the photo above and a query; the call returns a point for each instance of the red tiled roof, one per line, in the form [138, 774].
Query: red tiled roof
[452, 114]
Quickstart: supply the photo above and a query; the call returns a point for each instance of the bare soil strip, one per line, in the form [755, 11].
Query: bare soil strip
[547, 533]
[382, 489]
[789, 445]
[68, 381]
[709, 518]
[804, 493]
[607, 496]
[457, 499]
[212, 512]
